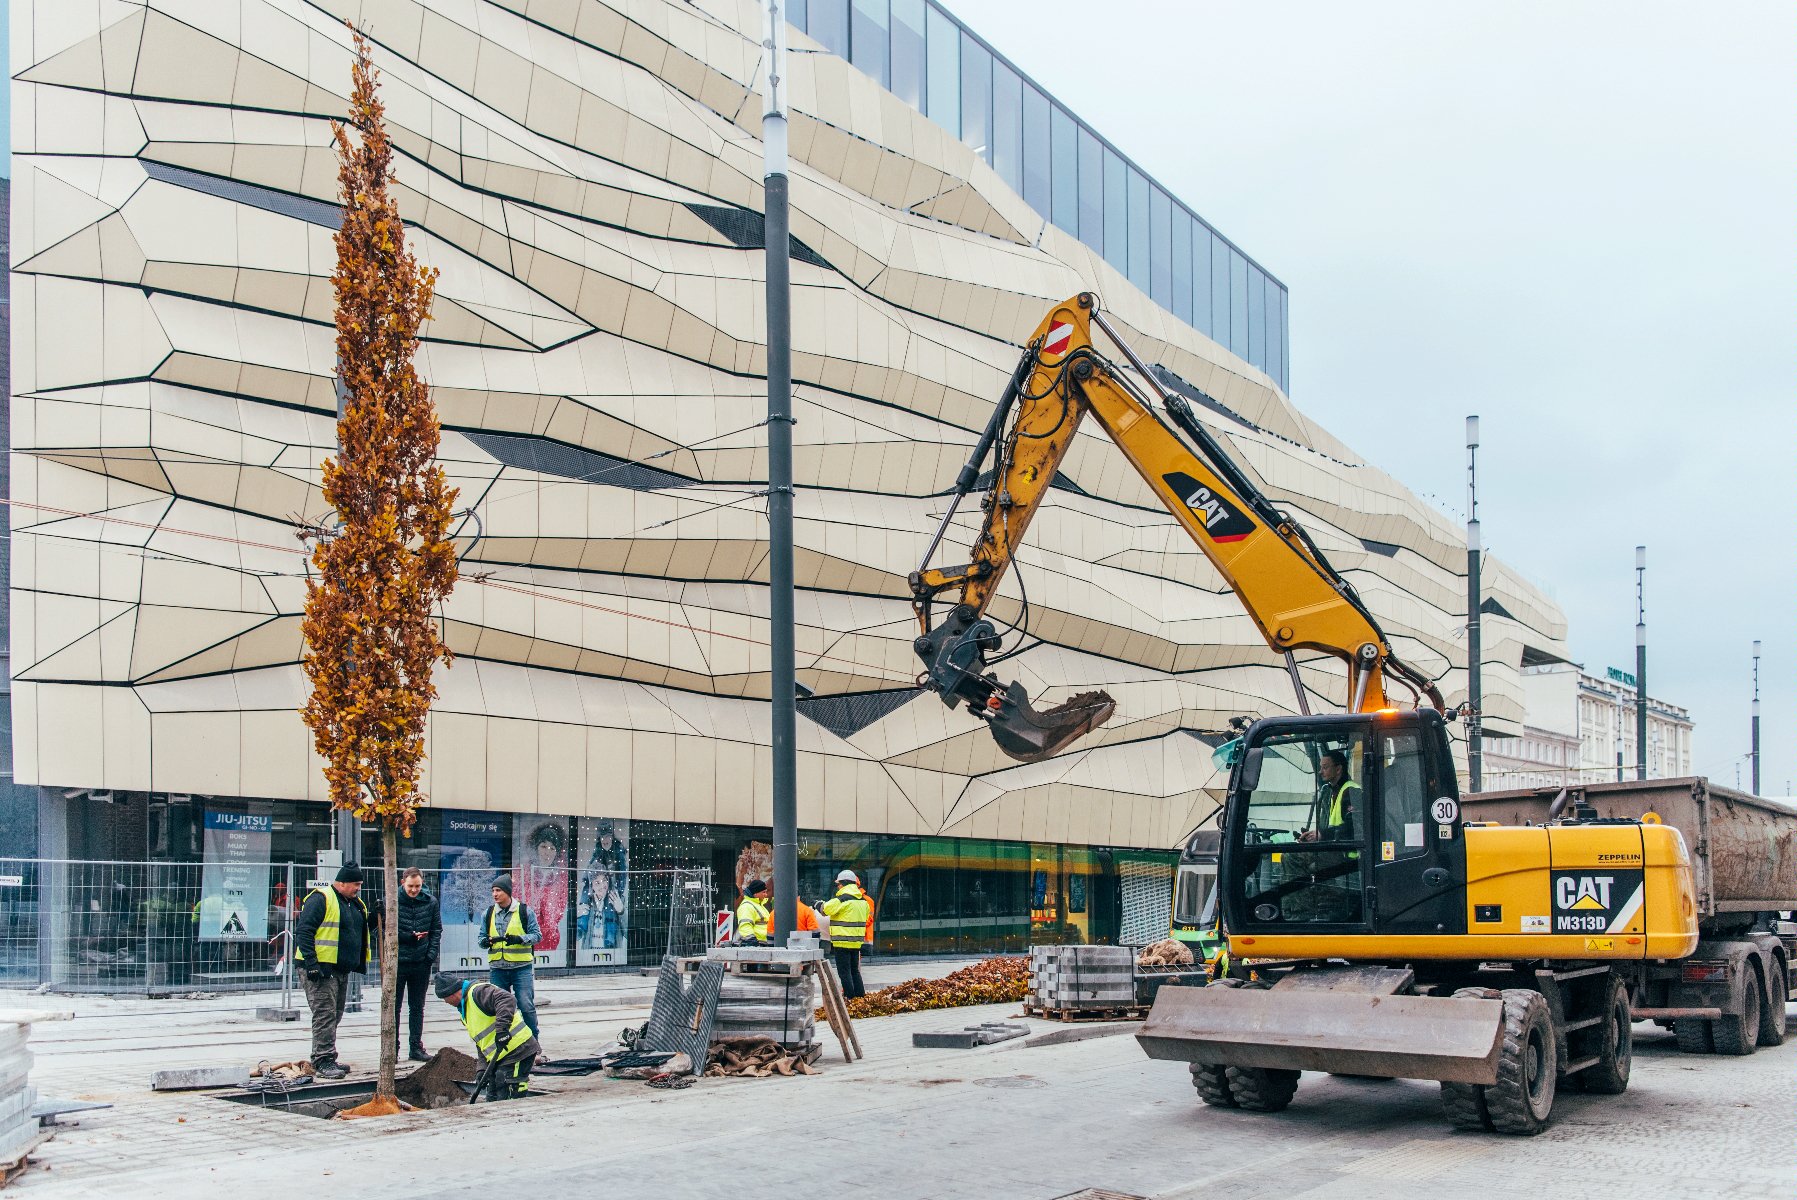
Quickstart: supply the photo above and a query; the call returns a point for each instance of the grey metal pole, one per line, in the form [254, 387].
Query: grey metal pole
[781, 681]
[1756, 717]
[1640, 662]
[1475, 694]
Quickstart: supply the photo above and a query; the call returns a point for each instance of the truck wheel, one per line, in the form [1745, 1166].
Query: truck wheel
[1739, 1033]
[1693, 1035]
[1262, 1089]
[1522, 1099]
[1772, 1012]
[1212, 1082]
[1463, 1104]
[1609, 1075]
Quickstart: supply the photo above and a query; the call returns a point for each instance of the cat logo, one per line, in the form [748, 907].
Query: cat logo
[1223, 522]
[1587, 902]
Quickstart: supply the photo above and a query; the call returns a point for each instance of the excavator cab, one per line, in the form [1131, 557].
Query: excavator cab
[1342, 825]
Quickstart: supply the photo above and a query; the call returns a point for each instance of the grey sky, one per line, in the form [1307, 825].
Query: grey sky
[1572, 218]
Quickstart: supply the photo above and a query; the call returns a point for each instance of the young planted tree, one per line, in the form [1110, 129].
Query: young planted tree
[371, 642]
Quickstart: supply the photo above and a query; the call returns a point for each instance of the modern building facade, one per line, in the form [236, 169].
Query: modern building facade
[586, 177]
[1581, 728]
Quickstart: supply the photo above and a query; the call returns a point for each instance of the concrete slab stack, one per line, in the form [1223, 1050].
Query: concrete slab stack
[1066, 978]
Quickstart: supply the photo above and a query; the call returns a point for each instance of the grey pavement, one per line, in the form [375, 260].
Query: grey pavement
[1017, 1121]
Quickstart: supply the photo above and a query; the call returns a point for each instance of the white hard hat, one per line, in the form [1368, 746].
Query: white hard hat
[847, 877]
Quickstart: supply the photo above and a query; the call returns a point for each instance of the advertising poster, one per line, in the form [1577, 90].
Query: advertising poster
[602, 892]
[473, 845]
[234, 880]
[542, 878]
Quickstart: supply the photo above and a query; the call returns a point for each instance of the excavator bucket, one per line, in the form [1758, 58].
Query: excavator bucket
[1031, 736]
[1313, 1029]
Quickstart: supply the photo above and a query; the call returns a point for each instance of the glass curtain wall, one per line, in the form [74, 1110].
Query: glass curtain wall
[1061, 167]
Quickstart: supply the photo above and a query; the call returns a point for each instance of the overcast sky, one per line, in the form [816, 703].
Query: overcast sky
[1572, 218]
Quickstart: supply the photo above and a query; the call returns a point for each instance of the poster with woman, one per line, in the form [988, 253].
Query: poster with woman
[540, 848]
[602, 892]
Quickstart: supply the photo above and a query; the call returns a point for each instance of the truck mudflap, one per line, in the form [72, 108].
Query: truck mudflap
[1456, 1040]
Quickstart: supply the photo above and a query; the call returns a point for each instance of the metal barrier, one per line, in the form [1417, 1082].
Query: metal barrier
[160, 928]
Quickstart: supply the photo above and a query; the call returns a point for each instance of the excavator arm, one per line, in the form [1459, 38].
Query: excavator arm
[1296, 599]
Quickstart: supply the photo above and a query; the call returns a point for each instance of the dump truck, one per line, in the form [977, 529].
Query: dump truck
[1728, 995]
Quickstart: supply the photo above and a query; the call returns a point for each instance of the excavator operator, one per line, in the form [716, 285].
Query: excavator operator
[1337, 798]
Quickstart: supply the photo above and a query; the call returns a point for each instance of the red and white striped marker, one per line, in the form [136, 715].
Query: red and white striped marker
[1058, 339]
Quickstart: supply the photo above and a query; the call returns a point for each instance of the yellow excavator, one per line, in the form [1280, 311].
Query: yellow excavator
[1372, 929]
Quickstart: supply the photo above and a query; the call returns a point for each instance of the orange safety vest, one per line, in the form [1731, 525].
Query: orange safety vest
[807, 919]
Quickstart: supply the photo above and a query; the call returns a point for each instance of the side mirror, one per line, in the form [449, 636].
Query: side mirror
[1559, 805]
[1250, 776]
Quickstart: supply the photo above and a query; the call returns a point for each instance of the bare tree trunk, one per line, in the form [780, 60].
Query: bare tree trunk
[389, 958]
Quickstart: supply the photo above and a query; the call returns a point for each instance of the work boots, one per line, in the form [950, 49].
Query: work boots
[418, 1053]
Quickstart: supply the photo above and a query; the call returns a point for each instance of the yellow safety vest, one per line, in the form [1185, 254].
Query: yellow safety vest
[1337, 818]
[753, 919]
[483, 1027]
[851, 917]
[514, 953]
[324, 942]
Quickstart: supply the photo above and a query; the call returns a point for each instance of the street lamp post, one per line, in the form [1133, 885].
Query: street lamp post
[1640, 662]
[1475, 750]
[1756, 717]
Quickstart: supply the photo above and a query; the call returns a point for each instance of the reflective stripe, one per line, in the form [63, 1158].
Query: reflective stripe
[483, 1027]
[753, 920]
[514, 953]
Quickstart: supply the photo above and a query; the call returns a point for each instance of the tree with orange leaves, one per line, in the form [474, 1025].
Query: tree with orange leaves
[371, 641]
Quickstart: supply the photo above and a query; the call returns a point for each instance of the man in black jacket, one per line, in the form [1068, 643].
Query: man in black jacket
[329, 943]
[420, 936]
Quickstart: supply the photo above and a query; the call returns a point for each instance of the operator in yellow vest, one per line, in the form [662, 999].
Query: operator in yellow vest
[1338, 799]
[491, 1017]
[330, 941]
[851, 919]
[754, 920]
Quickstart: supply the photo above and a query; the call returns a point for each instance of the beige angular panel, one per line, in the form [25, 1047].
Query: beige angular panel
[586, 175]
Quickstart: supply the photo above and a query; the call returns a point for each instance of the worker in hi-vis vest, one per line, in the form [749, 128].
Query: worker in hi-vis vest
[753, 918]
[851, 918]
[502, 1039]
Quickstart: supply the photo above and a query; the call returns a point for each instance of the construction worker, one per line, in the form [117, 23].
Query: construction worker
[330, 941]
[851, 920]
[490, 1015]
[808, 922]
[754, 921]
[1338, 797]
[510, 938]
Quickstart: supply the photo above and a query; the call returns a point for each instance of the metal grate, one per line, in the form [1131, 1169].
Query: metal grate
[686, 1004]
[848, 715]
[748, 229]
[302, 208]
[1147, 902]
[573, 462]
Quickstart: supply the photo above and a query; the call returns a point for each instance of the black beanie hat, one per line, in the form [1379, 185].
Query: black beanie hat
[349, 873]
[504, 884]
[756, 887]
[447, 986]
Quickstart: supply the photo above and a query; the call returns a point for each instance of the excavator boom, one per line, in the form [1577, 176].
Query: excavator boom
[1297, 601]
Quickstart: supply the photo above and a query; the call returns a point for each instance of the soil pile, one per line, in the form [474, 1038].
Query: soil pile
[433, 1085]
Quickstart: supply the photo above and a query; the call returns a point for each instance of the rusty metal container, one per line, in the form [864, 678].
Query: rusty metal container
[1743, 848]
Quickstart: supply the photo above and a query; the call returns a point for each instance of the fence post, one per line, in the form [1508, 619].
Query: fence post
[287, 944]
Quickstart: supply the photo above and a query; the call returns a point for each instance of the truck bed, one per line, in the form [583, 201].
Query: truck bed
[1743, 848]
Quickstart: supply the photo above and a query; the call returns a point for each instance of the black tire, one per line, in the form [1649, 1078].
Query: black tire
[1739, 1033]
[1522, 1099]
[1262, 1089]
[1615, 1039]
[1772, 1012]
[1212, 1082]
[1463, 1104]
[1693, 1035]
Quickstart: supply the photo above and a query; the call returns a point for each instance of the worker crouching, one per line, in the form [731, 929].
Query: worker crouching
[502, 1038]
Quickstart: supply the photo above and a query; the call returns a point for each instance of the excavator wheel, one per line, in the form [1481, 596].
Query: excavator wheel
[1212, 1082]
[1262, 1089]
[1522, 1099]
[1609, 1075]
[1463, 1104]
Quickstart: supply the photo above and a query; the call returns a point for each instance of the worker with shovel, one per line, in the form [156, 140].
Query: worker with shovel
[502, 1038]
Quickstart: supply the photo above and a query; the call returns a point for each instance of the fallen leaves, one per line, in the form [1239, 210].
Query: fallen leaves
[990, 981]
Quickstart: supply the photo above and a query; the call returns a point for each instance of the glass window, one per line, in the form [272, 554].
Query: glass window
[1182, 265]
[1091, 190]
[942, 77]
[976, 97]
[1257, 317]
[1065, 169]
[1238, 304]
[1285, 341]
[798, 14]
[1116, 211]
[870, 39]
[1138, 229]
[829, 24]
[1405, 787]
[1201, 252]
[1219, 291]
[1007, 125]
[1276, 333]
[1193, 895]
[907, 51]
[1308, 795]
[1035, 149]
[1160, 246]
